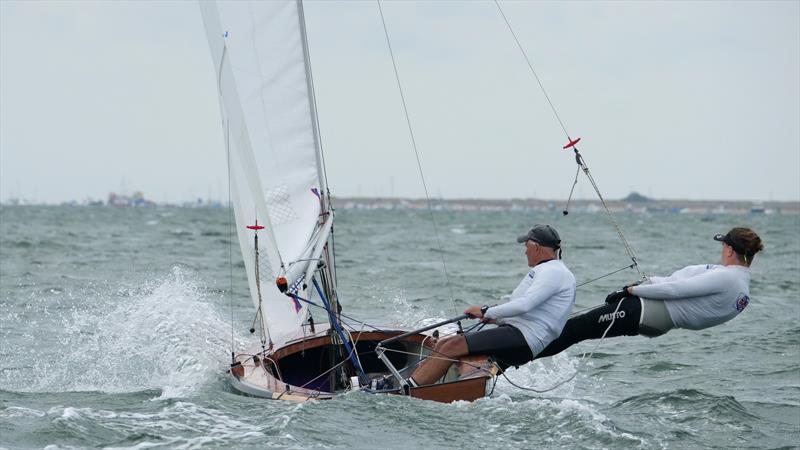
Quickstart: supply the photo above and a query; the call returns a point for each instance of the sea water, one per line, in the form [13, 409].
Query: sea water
[116, 327]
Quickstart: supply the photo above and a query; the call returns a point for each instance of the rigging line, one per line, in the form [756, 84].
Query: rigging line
[495, 382]
[533, 71]
[357, 361]
[580, 361]
[331, 312]
[316, 120]
[630, 266]
[416, 152]
[260, 312]
[349, 356]
[230, 225]
[230, 203]
[318, 131]
[572, 189]
[445, 357]
[625, 243]
[362, 375]
[274, 364]
[579, 157]
[312, 93]
[420, 360]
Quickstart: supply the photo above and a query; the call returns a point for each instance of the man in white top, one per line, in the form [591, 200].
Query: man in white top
[695, 297]
[534, 315]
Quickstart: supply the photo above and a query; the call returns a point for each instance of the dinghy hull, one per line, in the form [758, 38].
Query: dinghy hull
[313, 369]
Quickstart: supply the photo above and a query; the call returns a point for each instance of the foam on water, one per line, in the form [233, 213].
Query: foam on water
[165, 336]
[65, 330]
[553, 408]
[176, 424]
[563, 411]
[554, 375]
[19, 412]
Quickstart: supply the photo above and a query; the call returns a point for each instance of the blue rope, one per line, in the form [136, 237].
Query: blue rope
[362, 376]
[304, 300]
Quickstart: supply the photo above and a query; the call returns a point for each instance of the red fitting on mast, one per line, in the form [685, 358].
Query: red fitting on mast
[572, 143]
[255, 227]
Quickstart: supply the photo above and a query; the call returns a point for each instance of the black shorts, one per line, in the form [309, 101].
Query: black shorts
[505, 343]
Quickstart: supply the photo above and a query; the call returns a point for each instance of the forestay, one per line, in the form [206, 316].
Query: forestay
[260, 55]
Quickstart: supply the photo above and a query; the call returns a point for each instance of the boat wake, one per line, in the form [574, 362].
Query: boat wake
[165, 337]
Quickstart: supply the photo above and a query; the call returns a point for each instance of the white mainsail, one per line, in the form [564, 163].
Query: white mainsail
[260, 54]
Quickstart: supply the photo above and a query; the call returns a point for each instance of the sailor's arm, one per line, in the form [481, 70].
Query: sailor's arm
[704, 284]
[686, 272]
[542, 288]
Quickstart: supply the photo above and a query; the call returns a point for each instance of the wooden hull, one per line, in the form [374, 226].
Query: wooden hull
[302, 370]
[469, 389]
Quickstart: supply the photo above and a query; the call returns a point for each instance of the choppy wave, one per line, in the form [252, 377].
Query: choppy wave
[171, 424]
[165, 336]
[682, 400]
[104, 345]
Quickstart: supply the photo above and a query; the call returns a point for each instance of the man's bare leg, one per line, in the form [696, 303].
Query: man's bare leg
[436, 365]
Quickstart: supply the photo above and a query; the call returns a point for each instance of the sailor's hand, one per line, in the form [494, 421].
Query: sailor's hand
[629, 287]
[617, 295]
[489, 321]
[474, 312]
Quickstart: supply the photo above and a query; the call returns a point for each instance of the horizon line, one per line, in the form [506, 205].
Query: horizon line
[363, 198]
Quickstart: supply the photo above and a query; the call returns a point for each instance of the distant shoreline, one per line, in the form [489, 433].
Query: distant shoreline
[624, 205]
[637, 205]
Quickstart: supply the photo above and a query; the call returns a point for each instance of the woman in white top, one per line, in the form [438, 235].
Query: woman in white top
[695, 297]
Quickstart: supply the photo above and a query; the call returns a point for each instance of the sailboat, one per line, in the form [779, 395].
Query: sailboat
[284, 223]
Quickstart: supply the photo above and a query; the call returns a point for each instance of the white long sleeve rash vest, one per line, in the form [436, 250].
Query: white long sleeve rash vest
[701, 296]
[540, 305]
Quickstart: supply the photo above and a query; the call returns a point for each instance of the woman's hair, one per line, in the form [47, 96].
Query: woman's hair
[748, 241]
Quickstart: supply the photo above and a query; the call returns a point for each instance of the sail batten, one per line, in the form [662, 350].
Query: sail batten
[260, 54]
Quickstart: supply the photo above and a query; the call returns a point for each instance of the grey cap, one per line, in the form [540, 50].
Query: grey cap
[543, 235]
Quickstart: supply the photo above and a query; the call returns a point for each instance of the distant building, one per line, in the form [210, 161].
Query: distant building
[124, 201]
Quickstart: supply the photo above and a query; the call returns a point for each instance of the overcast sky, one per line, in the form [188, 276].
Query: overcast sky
[697, 100]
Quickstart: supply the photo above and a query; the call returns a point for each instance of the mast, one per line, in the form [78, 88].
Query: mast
[329, 271]
[312, 103]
